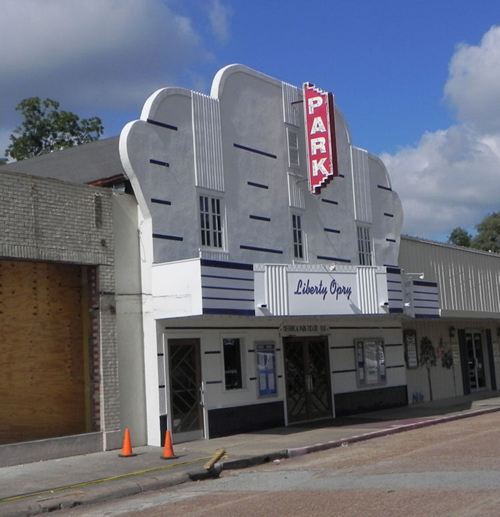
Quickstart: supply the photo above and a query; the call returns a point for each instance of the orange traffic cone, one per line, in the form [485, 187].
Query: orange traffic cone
[168, 450]
[127, 446]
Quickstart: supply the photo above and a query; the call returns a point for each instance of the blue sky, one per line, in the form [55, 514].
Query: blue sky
[418, 80]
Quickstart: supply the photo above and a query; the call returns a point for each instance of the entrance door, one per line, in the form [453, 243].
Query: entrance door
[307, 373]
[185, 389]
[475, 360]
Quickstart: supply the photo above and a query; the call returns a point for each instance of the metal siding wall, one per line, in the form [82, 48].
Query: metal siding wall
[467, 280]
[361, 186]
[292, 113]
[276, 290]
[207, 141]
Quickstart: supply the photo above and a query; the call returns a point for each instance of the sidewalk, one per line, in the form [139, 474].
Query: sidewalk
[81, 480]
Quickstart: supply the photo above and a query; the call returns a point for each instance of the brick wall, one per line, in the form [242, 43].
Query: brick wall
[50, 220]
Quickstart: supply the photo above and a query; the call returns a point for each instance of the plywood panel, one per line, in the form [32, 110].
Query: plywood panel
[42, 369]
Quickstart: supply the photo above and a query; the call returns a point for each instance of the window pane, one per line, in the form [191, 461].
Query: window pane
[210, 222]
[232, 364]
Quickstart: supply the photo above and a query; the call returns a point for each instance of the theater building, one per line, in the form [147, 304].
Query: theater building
[272, 289]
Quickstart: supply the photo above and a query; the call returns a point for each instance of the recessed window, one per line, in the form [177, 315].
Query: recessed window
[232, 363]
[370, 361]
[293, 147]
[364, 246]
[298, 237]
[211, 222]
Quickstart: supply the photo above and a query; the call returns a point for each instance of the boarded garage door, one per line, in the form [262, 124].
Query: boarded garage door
[42, 355]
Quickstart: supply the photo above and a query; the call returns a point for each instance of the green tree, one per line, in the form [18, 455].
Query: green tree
[460, 237]
[488, 233]
[46, 128]
[427, 359]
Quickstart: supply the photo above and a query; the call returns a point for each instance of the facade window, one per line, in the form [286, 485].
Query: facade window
[370, 361]
[233, 378]
[298, 237]
[293, 147]
[364, 246]
[211, 222]
[266, 369]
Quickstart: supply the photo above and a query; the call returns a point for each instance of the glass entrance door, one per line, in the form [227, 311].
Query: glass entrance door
[185, 389]
[307, 373]
[475, 360]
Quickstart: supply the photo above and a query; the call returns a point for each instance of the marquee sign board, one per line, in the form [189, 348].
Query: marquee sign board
[320, 137]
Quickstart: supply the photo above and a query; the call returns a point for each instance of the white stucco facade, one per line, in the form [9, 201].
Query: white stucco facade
[235, 251]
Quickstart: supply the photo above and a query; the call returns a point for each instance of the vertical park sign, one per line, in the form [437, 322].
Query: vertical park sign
[320, 137]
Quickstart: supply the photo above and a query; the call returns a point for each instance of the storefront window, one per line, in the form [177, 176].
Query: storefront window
[232, 363]
[370, 361]
[266, 369]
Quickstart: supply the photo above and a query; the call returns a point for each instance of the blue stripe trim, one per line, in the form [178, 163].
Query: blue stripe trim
[228, 299]
[167, 237]
[334, 259]
[344, 371]
[161, 124]
[228, 277]
[388, 215]
[396, 365]
[331, 230]
[235, 312]
[329, 201]
[394, 282]
[427, 316]
[260, 218]
[213, 382]
[160, 201]
[428, 284]
[256, 248]
[208, 352]
[390, 240]
[426, 293]
[394, 290]
[258, 185]
[159, 162]
[426, 300]
[226, 265]
[256, 151]
[383, 187]
[395, 310]
[227, 288]
[395, 299]
[392, 266]
[394, 270]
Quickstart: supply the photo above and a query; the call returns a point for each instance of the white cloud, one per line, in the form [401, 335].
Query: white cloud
[452, 177]
[473, 86]
[94, 55]
[219, 20]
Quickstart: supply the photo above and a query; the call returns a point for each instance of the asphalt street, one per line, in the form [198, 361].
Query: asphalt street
[450, 469]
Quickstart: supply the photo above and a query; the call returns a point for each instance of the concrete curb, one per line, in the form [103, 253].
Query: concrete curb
[93, 494]
[342, 442]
